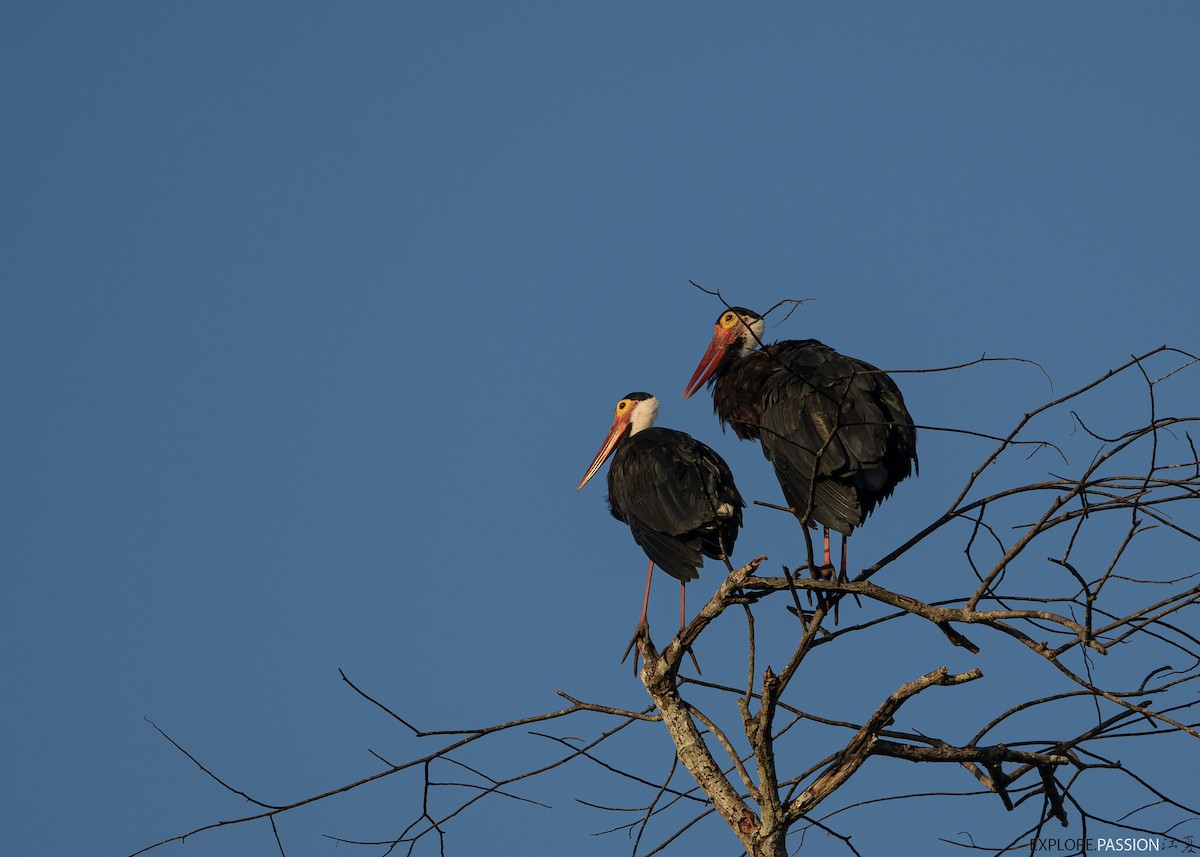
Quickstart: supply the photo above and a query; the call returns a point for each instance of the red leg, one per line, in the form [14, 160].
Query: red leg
[828, 562]
[843, 577]
[643, 628]
[646, 597]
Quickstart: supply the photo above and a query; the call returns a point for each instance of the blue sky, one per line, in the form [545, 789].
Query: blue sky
[314, 314]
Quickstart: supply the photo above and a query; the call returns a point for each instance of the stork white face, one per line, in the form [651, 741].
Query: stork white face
[635, 412]
[737, 329]
[642, 413]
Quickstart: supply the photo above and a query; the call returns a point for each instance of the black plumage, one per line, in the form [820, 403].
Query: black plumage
[678, 498]
[835, 428]
[675, 493]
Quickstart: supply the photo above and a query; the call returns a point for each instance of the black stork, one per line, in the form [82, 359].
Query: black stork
[834, 427]
[674, 492]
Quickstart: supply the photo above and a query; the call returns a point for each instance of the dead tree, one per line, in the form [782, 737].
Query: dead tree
[1063, 569]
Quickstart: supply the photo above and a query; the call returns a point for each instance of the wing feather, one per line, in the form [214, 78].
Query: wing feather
[836, 430]
[678, 497]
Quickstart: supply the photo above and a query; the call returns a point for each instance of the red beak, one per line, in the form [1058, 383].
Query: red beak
[720, 343]
[615, 435]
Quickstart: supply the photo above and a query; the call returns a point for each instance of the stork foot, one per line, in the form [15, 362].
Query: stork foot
[845, 578]
[641, 631]
[823, 572]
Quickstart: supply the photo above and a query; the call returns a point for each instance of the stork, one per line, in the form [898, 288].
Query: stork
[677, 495]
[835, 427]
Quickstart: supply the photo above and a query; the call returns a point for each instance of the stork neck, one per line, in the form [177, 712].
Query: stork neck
[643, 416]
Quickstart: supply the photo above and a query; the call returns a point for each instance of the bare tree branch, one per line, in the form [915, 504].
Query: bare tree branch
[1068, 565]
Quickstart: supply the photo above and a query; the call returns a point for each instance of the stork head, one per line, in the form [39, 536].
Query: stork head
[634, 412]
[738, 330]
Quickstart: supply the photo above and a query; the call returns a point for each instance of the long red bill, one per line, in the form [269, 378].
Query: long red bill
[708, 363]
[614, 436]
